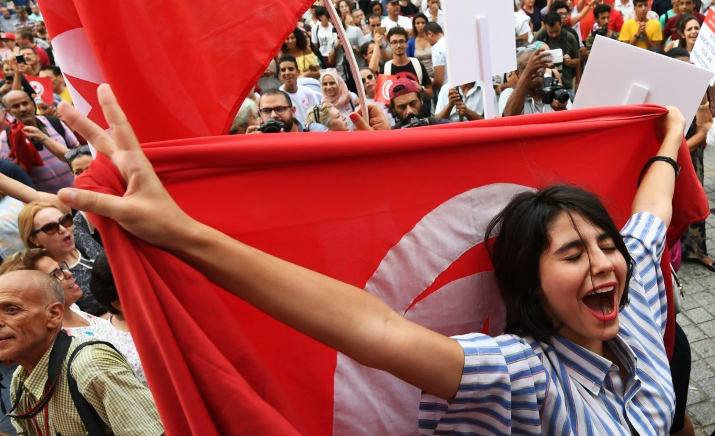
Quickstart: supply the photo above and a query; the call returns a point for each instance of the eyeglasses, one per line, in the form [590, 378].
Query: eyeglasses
[400, 42]
[278, 110]
[369, 77]
[52, 228]
[75, 152]
[59, 273]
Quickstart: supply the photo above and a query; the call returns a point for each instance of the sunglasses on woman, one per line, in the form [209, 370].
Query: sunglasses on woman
[52, 228]
[369, 77]
[77, 152]
[59, 273]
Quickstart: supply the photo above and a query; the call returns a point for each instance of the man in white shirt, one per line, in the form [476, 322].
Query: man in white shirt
[323, 35]
[626, 8]
[462, 103]
[302, 97]
[435, 37]
[394, 18]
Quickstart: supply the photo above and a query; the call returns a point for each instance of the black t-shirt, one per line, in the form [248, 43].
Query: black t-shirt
[408, 68]
[408, 10]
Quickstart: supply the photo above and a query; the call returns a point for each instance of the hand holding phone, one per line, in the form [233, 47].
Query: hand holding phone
[20, 59]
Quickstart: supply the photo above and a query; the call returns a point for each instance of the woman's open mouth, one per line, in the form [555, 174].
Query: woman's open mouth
[601, 302]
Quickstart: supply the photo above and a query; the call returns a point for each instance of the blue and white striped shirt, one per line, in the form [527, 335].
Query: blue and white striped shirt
[518, 385]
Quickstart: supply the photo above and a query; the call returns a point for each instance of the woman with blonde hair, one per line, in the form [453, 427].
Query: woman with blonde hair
[327, 115]
[43, 225]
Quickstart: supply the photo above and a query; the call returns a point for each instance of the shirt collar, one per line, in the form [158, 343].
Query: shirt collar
[34, 383]
[583, 366]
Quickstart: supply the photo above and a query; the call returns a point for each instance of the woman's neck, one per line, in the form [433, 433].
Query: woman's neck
[70, 258]
[72, 319]
[119, 321]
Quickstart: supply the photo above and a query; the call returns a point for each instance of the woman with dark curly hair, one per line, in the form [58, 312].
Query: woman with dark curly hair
[298, 45]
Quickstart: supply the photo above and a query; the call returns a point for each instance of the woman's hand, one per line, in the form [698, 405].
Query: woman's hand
[146, 210]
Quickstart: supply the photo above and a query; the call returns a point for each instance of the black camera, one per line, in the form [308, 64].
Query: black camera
[602, 31]
[271, 126]
[553, 90]
[416, 122]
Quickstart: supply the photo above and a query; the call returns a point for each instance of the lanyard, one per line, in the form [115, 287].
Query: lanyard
[56, 361]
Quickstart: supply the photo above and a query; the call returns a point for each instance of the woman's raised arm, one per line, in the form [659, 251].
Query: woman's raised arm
[655, 193]
[334, 313]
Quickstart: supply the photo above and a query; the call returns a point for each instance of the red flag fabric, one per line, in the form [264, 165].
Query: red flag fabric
[398, 213]
[43, 88]
[171, 64]
[382, 88]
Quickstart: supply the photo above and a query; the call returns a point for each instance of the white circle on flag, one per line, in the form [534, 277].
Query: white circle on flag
[385, 90]
[37, 87]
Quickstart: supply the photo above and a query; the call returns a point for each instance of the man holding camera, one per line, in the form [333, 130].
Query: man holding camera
[530, 96]
[406, 105]
[602, 14]
[554, 35]
[277, 114]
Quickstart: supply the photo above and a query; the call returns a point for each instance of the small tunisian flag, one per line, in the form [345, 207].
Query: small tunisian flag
[398, 213]
[382, 88]
[42, 87]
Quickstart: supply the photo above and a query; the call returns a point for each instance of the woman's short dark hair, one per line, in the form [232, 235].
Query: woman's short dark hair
[522, 230]
[101, 284]
[678, 52]
[365, 47]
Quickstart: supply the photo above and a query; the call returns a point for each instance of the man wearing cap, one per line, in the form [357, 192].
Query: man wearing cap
[525, 97]
[406, 105]
[394, 18]
[9, 48]
[7, 21]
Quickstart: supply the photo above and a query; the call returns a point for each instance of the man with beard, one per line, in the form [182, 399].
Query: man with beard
[302, 97]
[46, 137]
[406, 105]
[276, 105]
[525, 97]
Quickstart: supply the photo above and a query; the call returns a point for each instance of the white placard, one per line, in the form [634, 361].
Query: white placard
[618, 73]
[703, 54]
[464, 61]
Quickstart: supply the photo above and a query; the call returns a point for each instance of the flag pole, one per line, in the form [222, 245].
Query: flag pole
[349, 56]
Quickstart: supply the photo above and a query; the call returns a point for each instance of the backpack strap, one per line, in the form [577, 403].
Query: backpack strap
[418, 68]
[57, 125]
[90, 418]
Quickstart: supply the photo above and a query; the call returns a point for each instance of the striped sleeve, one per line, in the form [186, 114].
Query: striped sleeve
[503, 386]
[644, 235]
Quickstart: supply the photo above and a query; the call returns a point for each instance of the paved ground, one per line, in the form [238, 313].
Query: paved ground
[698, 321]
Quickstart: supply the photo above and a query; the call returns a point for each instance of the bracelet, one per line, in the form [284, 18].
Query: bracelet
[705, 105]
[666, 159]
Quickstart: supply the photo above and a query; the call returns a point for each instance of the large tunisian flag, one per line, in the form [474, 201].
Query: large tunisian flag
[398, 213]
[179, 68]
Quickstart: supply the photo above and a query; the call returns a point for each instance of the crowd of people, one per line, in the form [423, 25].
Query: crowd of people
[57, 290]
